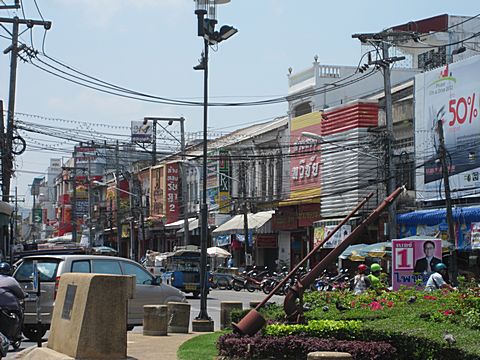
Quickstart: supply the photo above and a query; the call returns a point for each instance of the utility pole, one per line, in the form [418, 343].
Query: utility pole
[14, 50]
[391, 178]
[442, 153]
[117, 198]
[90, 204]
[183, 170]
[154, 143]
[74, 197]
[183, 167]
[245, 211]
[384, 39]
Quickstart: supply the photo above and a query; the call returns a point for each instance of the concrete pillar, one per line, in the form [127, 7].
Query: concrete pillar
[329, 355]
[226, 308]
[155, 320]
[178, 317]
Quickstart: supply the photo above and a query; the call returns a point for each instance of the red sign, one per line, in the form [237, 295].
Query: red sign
[266, 241]
[173, 206]
[307, 214]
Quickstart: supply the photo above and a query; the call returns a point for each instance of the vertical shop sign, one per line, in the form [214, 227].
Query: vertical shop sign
[173, 208]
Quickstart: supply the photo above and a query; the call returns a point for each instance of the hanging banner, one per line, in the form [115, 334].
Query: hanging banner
[475, 235]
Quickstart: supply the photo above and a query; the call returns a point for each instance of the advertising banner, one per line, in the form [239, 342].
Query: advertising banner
[475, 235]
[450, 94]
[157, 191]
[320, 233]
[414, 260]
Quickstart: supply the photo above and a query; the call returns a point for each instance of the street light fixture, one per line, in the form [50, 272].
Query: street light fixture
[206, 16]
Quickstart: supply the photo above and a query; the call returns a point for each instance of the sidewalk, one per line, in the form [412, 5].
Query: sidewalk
[156, 347]
[139, 347]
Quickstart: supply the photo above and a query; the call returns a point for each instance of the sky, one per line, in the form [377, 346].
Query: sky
[151, 46]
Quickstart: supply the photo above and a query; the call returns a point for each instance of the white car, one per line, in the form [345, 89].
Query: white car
[149, 289]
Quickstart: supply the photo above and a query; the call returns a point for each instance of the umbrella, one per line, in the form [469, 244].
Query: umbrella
[217, 251]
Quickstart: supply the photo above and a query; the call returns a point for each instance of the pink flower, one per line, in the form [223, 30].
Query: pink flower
[375, 305]
[429, 297]
[390, 304]
[448, 312]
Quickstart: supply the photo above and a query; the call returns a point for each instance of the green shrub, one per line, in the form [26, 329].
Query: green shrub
[320, 328]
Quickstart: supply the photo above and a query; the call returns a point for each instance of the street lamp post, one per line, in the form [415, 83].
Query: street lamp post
[206, 15]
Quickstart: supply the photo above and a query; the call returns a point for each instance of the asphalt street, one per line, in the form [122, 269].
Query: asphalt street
[214, 299]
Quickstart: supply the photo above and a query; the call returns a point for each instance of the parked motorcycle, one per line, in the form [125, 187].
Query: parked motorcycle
[10, 329]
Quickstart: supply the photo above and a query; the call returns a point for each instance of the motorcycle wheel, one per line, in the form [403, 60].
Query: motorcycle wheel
[34, 333]
[250, 288]
[237, 287]
[16, 345]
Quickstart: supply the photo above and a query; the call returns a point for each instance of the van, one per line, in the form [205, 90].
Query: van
[149, 289]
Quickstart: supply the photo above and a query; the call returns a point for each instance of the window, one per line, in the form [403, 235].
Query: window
[111, 267]
[142, 276]
[47, 269]
[81, 266]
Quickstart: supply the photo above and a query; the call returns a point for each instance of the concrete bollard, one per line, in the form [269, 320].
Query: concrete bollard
[226, 308]
[155, 320]
[178, 317]
[329, 355]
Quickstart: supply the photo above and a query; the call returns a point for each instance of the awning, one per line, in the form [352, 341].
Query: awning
[178, 224]
[437, 216]
[235, 225]
[193, 224]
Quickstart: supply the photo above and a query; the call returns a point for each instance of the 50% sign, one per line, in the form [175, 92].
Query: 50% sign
[462, 109]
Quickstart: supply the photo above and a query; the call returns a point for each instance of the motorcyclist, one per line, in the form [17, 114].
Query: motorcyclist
[11, 295]
[361, 281]
[437, 279]
[375, 278]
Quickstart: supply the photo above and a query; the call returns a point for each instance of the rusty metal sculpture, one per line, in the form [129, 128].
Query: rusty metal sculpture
[254, 321]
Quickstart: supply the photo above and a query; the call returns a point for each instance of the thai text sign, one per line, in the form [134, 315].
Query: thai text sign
[414, 260]
[173, 206]
[305, 156]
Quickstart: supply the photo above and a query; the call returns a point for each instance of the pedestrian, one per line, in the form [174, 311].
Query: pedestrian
[360, 282]
[437, 279]
[230, 262]
[375, 278]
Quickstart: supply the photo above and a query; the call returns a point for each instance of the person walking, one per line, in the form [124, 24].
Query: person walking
[360, 282]
[437, 279]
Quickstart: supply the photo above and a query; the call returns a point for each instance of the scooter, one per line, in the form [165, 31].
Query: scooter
[11, 328]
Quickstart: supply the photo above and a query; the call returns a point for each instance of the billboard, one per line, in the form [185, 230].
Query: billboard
[142, 131]
[414, 260]
[305, 156]
[450, 94]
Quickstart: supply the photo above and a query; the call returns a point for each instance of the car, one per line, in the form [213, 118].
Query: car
[149, 289]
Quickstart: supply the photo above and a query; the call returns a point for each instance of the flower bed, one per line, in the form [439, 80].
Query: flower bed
[412, 322]
[297, 347]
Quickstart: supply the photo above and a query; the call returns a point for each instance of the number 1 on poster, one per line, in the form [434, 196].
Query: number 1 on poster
[404, 259]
